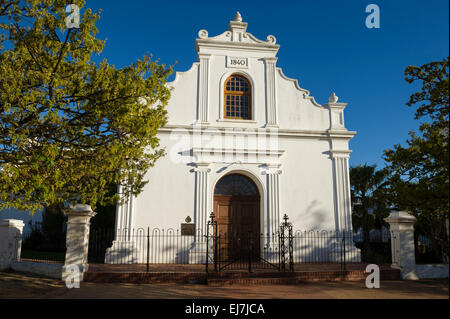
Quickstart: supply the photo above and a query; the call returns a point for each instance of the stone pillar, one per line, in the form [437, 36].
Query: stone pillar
[10, 241]
[203, 88]
[77, 238]
[271, 97]
[401, 226]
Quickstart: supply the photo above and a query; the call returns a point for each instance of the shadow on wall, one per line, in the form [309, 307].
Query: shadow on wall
[142, 245]
[324, 247]
[314, 217]
[128, 253]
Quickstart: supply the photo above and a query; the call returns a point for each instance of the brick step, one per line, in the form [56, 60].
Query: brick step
[144, 277]
[301, 277]
[227, 278]
[250, 281]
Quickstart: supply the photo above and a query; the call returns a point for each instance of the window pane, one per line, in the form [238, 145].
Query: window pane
[236, 184]
[237, 84]
[237, 105]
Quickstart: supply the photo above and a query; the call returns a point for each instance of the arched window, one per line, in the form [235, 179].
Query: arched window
[236, 185]
[237, 94]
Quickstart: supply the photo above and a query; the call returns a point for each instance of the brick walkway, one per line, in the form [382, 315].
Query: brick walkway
[183, 274]
[15, 285]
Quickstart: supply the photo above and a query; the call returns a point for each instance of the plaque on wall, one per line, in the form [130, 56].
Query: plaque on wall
[233, 62]
[187, 229]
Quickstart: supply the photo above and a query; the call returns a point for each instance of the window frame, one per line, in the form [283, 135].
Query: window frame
[229, 93]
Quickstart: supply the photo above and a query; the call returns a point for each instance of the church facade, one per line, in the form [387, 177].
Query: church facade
[247, 143]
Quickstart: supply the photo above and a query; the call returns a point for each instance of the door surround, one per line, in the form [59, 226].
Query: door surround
[237, 206]
[260, 185]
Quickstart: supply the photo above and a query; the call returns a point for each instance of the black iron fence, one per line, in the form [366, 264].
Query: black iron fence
[324, 247]
[427, 250]
[376, 247]
[218, 252]
[43, 244]
[145, 246]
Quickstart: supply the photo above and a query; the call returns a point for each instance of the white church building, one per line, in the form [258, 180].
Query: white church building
[247, 143]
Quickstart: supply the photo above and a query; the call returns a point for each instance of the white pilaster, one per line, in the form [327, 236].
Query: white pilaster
[271, 98]
[203, 88]
[124, 213]
[201, 199]
[272, 173]
[123, 249]
[342, 198]
[198, 252]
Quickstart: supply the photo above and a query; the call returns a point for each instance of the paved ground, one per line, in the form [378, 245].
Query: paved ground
[13, 285]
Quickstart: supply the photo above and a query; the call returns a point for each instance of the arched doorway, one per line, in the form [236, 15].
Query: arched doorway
[237, 211]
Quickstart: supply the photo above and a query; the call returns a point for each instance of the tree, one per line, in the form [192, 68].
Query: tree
[70, 127]
[419, 172]
[368, 190]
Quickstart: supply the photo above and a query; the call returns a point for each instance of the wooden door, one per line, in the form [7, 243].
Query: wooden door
[237, 219]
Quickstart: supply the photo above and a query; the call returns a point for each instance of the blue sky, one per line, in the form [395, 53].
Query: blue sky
[324, 44]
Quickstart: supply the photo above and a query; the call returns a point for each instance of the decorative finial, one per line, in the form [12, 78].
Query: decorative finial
[203, 34]
[188, 219]
[333, 98]
[238, 17]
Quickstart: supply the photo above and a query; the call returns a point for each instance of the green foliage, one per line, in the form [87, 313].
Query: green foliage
[419, 178]
[70, 128]
[368, 191]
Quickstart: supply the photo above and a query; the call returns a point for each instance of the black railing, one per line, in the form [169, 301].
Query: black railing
[247, 251]
[145, 246]
[324, 247]
[428, 250]
[376, 248]
[42, 244]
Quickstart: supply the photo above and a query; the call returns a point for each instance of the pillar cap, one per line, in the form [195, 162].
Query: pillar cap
[11, 223]
[81, 209]
[400, 217]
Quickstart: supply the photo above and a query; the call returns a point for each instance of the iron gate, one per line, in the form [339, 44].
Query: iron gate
[249, 251]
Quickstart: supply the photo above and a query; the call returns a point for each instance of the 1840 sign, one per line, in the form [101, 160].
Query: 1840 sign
[233, 62]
